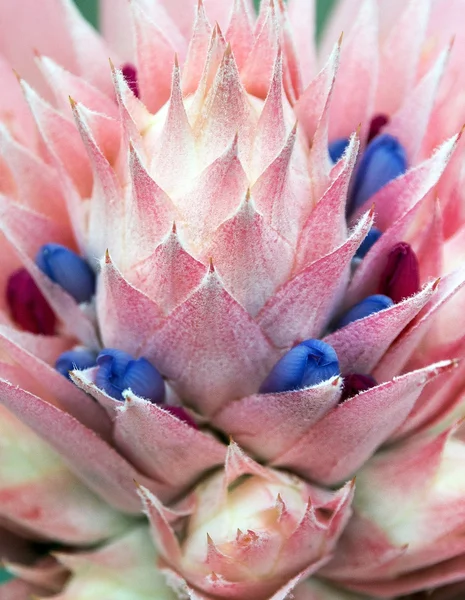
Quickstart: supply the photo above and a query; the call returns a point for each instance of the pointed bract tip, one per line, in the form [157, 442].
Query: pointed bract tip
[436, 284]
[176, 61]
[72, 102]
[294, 129]
[36, 52]
[107, 257]
[247, 195]
[112, 65]
[341, 37]
[137, 484]
[337, 381]
[461, 132]
[17, 75]
[228, 51]
[173, 228]
[211, 267]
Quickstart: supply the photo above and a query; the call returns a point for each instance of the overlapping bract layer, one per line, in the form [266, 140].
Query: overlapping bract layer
[217, 225]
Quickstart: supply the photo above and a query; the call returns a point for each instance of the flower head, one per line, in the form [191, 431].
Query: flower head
[212, 238]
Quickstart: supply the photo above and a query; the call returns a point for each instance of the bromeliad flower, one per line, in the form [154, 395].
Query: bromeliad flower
[232, 320]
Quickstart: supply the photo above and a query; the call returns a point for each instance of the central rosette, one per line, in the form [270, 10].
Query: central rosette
[250, 529]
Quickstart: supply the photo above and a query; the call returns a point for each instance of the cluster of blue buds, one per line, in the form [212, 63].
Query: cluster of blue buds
[119, 371]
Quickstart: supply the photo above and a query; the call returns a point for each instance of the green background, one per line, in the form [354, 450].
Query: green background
[90, 10]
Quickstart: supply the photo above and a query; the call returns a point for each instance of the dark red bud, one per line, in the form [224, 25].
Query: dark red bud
[28, 308]
[377, 123]
[354, 383]
[401, 276]
[130, 75]
[181, 414]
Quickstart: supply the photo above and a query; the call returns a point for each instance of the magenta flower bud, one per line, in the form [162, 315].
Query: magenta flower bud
[376, 125]
[354, 383]
[401, 276]
[130, 75]
[28, 308]
[181, 414]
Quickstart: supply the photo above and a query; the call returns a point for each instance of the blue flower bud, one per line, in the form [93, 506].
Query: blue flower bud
[373, 236]
[80, 359]
[365, 308]
[67, 269]
[383, 160]
[309, 363]
[337, 148]
[119, 371]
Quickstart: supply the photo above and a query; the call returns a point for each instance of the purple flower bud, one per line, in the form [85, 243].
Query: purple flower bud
[68, 270]
[79, 358]
[119, 371]
[307, 364]
[401, 276]
[365, 308]
[373, 236]
[130, 75]
[337, 148]
[28, 308]
[383, 160]
[354, 383]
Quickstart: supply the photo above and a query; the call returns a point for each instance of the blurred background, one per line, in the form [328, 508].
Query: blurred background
[90, 9]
